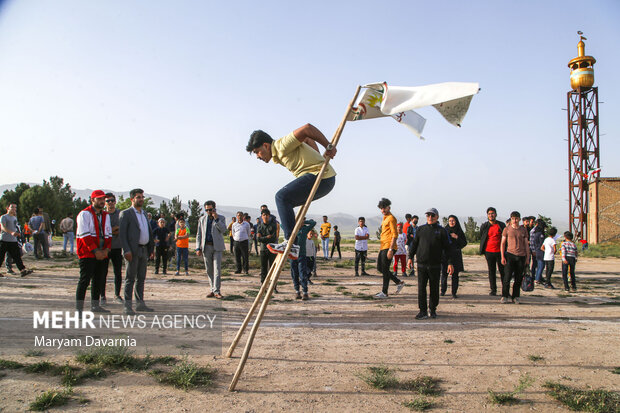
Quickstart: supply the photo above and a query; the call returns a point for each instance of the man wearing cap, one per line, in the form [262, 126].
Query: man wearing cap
[430, 243]
[94, 240]
[298, 152]
[138, 245]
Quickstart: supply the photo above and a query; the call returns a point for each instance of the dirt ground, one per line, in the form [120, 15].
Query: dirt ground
[307, 355]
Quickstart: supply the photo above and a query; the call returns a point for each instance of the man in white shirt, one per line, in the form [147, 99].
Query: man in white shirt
[241, 234]
[361, 245]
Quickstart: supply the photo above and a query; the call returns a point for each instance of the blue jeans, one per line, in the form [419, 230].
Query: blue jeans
[182, 253]
[540, 266]
[325, 246]
[294, 194]
[68, 236]
[299, 273]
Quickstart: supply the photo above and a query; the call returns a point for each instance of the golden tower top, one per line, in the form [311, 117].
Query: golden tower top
[581, 67]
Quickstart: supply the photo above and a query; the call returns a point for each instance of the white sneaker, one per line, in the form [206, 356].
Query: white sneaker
[381, 295]
[294, 252]
[399, 287]
[277, 248]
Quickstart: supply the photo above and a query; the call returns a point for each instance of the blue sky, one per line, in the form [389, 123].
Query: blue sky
[164, 95]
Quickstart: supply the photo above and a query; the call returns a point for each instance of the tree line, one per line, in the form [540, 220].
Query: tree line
[58, 200]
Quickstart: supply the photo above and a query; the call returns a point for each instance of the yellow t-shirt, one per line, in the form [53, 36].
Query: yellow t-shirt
[299, 158]
[388, 231]
[325, 228]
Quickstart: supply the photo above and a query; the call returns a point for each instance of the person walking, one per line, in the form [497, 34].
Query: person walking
[387, 248]
[490, 240]
[94, 239]
[458, 241]
[430, 244]
[336, 243]
[210, 244]
[515, 252]
[137, 241]
[9, 242]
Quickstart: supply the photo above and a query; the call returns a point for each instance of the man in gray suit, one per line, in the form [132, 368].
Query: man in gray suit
[137, 241]
[210, 244]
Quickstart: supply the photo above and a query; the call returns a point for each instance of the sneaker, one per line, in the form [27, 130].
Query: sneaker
[144, 308]
[455, 296]
[164, 272]
[399, 287]
[186, 273]
[443, 293]
[357, 275]
[493, 293]
[574, 289]
[305, 297]
[219, 296]
[118, 299]
[433, 314]
[516, 300]
[504, 300]
[10, 272]
[104, 301]
[567, 290]
[210, 295]
[298, 296]
[25, 272]
[277, 248]
[99, 309]
[550, 286]
[156, 272]
[381, 295]
[365, 273]
[537, 282]
[294, 252]
[129, 311]
[176, 273]
[421, 316]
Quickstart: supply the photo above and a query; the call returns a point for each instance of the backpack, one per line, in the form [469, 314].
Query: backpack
[528, 281]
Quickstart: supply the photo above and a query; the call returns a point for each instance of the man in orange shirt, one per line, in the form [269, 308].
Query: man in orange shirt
[389, 235]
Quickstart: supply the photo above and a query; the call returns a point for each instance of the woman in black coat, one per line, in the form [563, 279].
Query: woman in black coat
[457, 243]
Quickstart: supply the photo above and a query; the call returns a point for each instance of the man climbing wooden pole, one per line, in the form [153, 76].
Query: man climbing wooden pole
[298, 152]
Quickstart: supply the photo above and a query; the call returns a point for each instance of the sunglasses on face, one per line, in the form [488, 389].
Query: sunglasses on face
[430, 215]
[109, 201]
[208, 209]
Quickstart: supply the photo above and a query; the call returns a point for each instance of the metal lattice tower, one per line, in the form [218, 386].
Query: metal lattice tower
[583, 154]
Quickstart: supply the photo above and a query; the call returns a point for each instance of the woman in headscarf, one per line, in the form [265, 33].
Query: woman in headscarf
[457, 242]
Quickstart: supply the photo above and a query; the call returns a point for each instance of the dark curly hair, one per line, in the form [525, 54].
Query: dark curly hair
[384, 203]
[257, 138]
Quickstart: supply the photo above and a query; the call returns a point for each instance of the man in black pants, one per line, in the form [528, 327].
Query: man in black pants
[430, 243]
[266, 233]
[116, 252]
[336, 244]
[515, 251]
[490, 239]
[8, 239]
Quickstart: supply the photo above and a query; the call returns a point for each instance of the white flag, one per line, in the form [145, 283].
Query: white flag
[451, 99]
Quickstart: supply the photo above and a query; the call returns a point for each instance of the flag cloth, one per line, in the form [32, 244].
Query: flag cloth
[451, 99]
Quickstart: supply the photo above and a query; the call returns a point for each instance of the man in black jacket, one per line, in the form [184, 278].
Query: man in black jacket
[266, 233]
[430, 243]
[490, 239]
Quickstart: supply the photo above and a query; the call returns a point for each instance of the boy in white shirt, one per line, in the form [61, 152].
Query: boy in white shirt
[361, 245]
[549, 248]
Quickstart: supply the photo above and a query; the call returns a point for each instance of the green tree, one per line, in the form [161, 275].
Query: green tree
[176, 206]
[472, 231]
[194, 215]
[123, 203]
[546, 219]
[11, 196]
[33, 197]
[164, 209]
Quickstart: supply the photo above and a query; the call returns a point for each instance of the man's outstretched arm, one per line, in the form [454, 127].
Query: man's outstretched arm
[311, 135]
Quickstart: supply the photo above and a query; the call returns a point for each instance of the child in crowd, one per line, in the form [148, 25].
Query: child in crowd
[569, 260]
[549, 248]
[401, 252]
[181, 237]
[312, 247]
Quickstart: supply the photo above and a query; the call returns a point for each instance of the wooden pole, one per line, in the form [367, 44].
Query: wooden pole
[261, 291]
[280, 263]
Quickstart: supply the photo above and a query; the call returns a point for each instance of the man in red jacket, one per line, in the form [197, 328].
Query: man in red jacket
[94, 240]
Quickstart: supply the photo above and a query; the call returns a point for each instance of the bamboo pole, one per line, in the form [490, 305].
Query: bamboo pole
[261, 291]
[278, 267]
